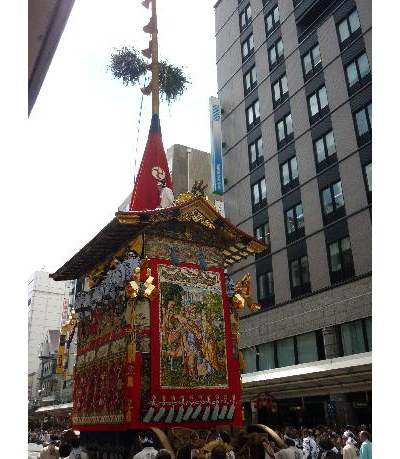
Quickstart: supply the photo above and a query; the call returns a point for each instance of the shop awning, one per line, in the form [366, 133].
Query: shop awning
[55, 409]
[333, 376]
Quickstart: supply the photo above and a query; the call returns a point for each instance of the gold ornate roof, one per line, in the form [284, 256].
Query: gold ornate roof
[191, 210]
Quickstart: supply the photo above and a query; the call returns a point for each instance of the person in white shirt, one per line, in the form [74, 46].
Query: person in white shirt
[166, 194]
[349, 449]
[146, 442]
[290, 451]
[310, 448]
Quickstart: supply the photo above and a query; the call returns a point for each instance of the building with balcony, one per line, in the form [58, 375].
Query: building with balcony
[47, 306]
[295, 85]
[48, 380]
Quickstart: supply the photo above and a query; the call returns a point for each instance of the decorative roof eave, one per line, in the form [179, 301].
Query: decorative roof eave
[126, 225]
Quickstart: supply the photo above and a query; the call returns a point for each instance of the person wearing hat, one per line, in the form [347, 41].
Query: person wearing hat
[146, 442]
[166, 194]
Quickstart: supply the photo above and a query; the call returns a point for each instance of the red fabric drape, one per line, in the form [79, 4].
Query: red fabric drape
[154, 166]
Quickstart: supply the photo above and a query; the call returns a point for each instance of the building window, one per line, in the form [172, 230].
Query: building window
[363, 122]
[256, 153]
[311, 62]
[299, 277]
[355, 337]
[368, 181]
[294, 222]
[332, 203]
[250, 80]
[250, 360]
[325, 151]
[272, 21]
[266, 356]
[358, 73]
[285, 352]
[284, 130]
[280, 91]
[265, 286]
[306, 348]
[245, 17]
[248, 47]
[262, 234]
[253, 115]
[368, 331]
[275, 53]
[289, 175]
[259, 195]
[340, 260]
[318, 105]
[349, 29]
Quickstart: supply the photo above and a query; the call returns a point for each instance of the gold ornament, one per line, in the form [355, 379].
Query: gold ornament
[242, 365]
[132, 289]
[151, 292]
[238, 301]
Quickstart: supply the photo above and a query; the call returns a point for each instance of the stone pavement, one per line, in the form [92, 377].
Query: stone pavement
[34, 450]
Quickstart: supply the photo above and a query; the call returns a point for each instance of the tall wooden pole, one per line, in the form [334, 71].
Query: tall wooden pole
[154, 63]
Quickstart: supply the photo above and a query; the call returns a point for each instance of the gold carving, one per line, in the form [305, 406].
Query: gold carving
[197, 217]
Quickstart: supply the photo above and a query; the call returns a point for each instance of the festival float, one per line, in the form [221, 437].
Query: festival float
[158, 321]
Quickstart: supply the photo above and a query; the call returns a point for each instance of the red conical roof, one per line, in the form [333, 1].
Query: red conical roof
[154, 167]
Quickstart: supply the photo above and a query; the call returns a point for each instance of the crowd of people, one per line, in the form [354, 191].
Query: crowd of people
[320, 443]
[290, 443]
[58, 444]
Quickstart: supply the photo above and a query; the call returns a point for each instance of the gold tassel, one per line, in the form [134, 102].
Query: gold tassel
[131, 352]
[242, 364]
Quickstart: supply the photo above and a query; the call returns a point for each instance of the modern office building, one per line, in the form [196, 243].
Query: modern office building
[294, 79]
[47, 306]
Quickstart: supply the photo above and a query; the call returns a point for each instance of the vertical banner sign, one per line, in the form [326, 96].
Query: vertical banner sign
[64, 311]
[60, 357]
[217, 175]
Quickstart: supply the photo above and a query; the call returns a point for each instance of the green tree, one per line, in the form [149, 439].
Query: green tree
[128, 65]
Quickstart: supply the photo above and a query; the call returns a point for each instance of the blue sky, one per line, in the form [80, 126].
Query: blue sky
[82, 131]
